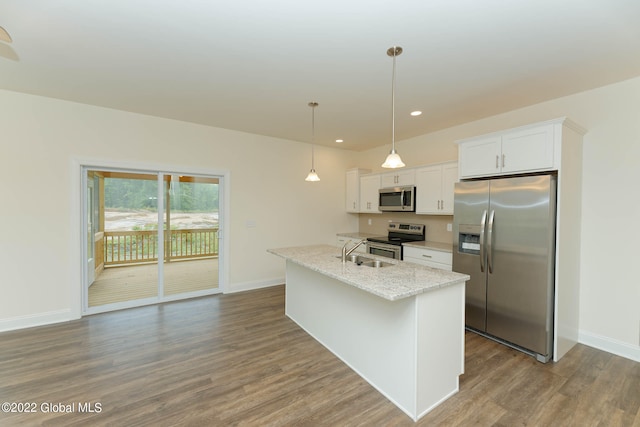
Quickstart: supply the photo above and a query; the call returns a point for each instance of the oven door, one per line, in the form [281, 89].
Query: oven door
[383, 249]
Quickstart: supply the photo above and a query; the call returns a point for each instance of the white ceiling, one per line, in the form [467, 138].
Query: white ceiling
[253, 65]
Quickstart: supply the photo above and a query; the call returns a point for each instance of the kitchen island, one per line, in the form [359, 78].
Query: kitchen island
[400, 327]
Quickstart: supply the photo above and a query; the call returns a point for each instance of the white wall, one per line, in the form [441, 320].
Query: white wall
[610, 285]
[39, 269]
[42, 139]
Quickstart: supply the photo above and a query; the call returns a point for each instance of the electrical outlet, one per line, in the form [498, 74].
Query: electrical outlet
[369, 221]
[449, 227]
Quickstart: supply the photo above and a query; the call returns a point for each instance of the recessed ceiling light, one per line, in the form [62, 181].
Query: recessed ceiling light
[416, 113]
[339, 140]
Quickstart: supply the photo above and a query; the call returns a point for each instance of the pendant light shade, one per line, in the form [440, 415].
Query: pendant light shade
[313, 176]
[4, 36]
[393, 159]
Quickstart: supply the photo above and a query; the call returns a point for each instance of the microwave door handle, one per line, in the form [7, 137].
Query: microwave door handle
[490, 242]
[483, 222]
[402, 200]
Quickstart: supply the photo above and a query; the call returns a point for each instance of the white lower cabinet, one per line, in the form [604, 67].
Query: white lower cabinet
[429, 257]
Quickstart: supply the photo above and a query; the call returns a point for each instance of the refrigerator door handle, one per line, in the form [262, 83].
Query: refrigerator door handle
[490, 242]
[482, 227]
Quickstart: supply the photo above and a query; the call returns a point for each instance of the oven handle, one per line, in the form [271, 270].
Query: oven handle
[397, 250]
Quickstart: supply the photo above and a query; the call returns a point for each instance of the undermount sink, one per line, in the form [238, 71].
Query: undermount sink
[367, 262]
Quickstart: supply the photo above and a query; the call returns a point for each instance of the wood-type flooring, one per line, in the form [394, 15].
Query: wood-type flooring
[138, 281]
[237, 360]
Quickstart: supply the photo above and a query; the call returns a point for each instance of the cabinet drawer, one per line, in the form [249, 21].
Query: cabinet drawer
[427, 255]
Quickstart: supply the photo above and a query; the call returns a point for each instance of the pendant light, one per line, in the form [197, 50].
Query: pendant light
[393, 159]
[313, 176]
[4, 36]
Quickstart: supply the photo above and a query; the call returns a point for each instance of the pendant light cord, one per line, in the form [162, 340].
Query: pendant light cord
[313, 132]
[393, 103]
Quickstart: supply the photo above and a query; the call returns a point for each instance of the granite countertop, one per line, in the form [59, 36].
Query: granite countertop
[436, 246]
[401, 280]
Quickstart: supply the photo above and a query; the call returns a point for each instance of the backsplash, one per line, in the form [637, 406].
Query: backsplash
[436, 224]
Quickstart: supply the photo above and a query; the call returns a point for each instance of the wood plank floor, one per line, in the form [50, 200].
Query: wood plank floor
[131, 282]
[236, 360]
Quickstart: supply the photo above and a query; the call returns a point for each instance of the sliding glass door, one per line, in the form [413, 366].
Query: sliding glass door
[151, 237]
[191, 234]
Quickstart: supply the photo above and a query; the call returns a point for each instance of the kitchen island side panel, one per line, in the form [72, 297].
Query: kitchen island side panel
[373, 336]
[441, 345]
[411, 350]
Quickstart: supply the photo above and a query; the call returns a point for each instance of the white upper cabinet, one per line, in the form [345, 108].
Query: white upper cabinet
[434, 188]
[369, 199]
[480, 156]
[527, 149]
[398, 178]
[353, 189]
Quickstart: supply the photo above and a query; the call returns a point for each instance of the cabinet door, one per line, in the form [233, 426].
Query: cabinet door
[428, 190]
[353, 191]
[369, 186]
[480, 157]
[434, 188]
[527, 150]
[399, 178]
[449, 179]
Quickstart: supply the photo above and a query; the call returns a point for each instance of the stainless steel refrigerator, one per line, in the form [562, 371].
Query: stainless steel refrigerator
[504, 238]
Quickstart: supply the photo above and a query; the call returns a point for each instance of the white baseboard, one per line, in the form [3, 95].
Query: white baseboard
[248, 286]
[610, 345]
[38, 319]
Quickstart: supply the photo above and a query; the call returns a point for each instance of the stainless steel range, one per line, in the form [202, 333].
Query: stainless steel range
[399, 233]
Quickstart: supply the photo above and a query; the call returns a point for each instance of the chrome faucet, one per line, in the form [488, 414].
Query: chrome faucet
[346, 253]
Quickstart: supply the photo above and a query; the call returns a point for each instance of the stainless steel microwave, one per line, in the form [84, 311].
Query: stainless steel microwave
[397, 199]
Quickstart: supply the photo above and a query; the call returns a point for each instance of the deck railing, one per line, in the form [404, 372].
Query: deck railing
[128, 247]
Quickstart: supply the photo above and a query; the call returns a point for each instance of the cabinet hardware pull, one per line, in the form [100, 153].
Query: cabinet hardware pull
[503, 160]
[442, 204]
[427, 256]
[497, 161]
